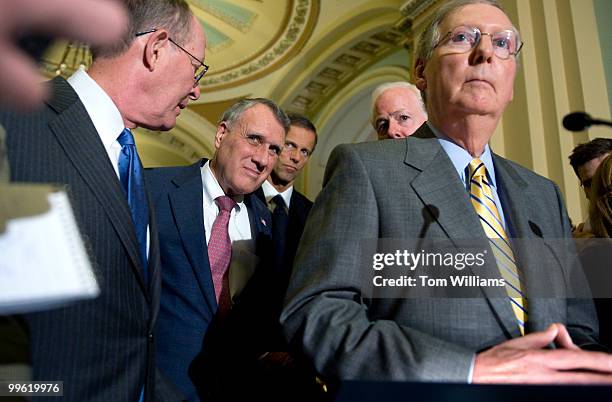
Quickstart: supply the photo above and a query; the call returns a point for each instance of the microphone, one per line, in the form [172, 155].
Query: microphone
[579, 121]
[430, 214]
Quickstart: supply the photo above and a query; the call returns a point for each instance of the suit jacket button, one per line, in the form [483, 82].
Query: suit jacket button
[150, 336]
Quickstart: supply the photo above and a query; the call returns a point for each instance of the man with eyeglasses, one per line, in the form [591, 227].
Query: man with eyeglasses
[585, 159]
[444, 184]
[397, 110]
[215, 241]
[104, 349]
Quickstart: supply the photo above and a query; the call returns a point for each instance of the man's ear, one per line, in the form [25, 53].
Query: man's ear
[155, 46]
[419, 74]
[222, 131]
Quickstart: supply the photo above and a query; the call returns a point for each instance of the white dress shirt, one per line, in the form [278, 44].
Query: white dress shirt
[271, 192]
[461, 158]
[244, 260]
[105, 116]
[103, 113]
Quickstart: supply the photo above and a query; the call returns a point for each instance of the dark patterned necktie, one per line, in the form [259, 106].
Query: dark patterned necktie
[131, 176]
[280, 222]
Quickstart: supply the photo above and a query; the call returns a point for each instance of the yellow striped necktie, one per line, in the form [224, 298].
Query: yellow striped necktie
[483, 202]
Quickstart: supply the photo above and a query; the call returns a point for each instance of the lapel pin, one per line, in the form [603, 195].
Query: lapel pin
[263, 221]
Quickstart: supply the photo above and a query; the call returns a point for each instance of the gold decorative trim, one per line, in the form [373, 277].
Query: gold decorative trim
[344, 67]
[302, 22]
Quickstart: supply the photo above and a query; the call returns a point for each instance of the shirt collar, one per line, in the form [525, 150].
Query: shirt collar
[270, 192]
[102, 110]
[462, 158]
[212, 188]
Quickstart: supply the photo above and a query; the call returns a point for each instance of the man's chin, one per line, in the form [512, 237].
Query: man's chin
[165, 125]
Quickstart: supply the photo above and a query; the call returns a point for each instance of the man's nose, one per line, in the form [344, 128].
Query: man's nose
[483, 51]
[395, 130]
[195, 92]
[261, 156]
[295, 155]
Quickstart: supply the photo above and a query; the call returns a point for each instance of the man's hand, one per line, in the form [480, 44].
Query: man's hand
[92, 21]
[525, 360]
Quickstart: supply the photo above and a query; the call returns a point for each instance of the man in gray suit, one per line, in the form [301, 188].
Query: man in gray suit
[419, 187]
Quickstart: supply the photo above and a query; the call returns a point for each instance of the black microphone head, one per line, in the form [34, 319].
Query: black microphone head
[430, 211]
[577, 121]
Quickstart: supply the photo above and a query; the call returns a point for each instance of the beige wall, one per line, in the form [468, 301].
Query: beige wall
[561, 70]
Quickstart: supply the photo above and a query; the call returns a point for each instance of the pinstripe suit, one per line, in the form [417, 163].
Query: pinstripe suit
[103, 348]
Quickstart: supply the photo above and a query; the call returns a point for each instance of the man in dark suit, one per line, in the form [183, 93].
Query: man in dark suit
[103, 349]
[432, 186]
[289, 218]
[285, 372]
[248, 141]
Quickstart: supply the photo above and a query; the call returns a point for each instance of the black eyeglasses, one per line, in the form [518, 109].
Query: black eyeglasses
[202, 68]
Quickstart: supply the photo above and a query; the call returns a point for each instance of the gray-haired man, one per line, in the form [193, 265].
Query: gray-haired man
[397, 110]
[422, 188]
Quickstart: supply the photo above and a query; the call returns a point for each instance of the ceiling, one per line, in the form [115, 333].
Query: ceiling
[321, 58]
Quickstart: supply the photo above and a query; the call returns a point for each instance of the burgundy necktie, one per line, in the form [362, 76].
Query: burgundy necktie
[220, 253]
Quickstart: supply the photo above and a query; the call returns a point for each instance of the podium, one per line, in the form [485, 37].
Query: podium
[365, 391]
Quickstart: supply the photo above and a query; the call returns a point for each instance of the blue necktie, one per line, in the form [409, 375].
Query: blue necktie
[131, 176]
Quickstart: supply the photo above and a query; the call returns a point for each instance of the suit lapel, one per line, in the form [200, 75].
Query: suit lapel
[296, 225]
[448, 202]
[259, 193]
[186, 202]
[260, 218]
[517, 199]
[154, 265]
[297, 211]
[81, 142]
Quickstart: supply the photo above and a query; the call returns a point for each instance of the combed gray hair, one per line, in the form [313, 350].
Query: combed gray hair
[173, 15]
[430, 37]
[234, 112]
[382, 88]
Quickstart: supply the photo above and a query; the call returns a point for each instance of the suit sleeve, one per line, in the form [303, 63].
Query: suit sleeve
[326, 311]
[165, 390]
[581, 321]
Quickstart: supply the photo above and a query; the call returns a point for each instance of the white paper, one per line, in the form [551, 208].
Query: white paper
[43, 262]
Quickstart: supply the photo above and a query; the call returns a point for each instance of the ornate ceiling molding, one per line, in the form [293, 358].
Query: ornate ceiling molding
[348, 63]
[343, 67]
[191, 139]
[412, 9]
[296, 30]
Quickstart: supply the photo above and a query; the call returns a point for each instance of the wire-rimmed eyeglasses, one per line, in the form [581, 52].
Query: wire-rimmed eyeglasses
[200, 70]
[464, 38]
